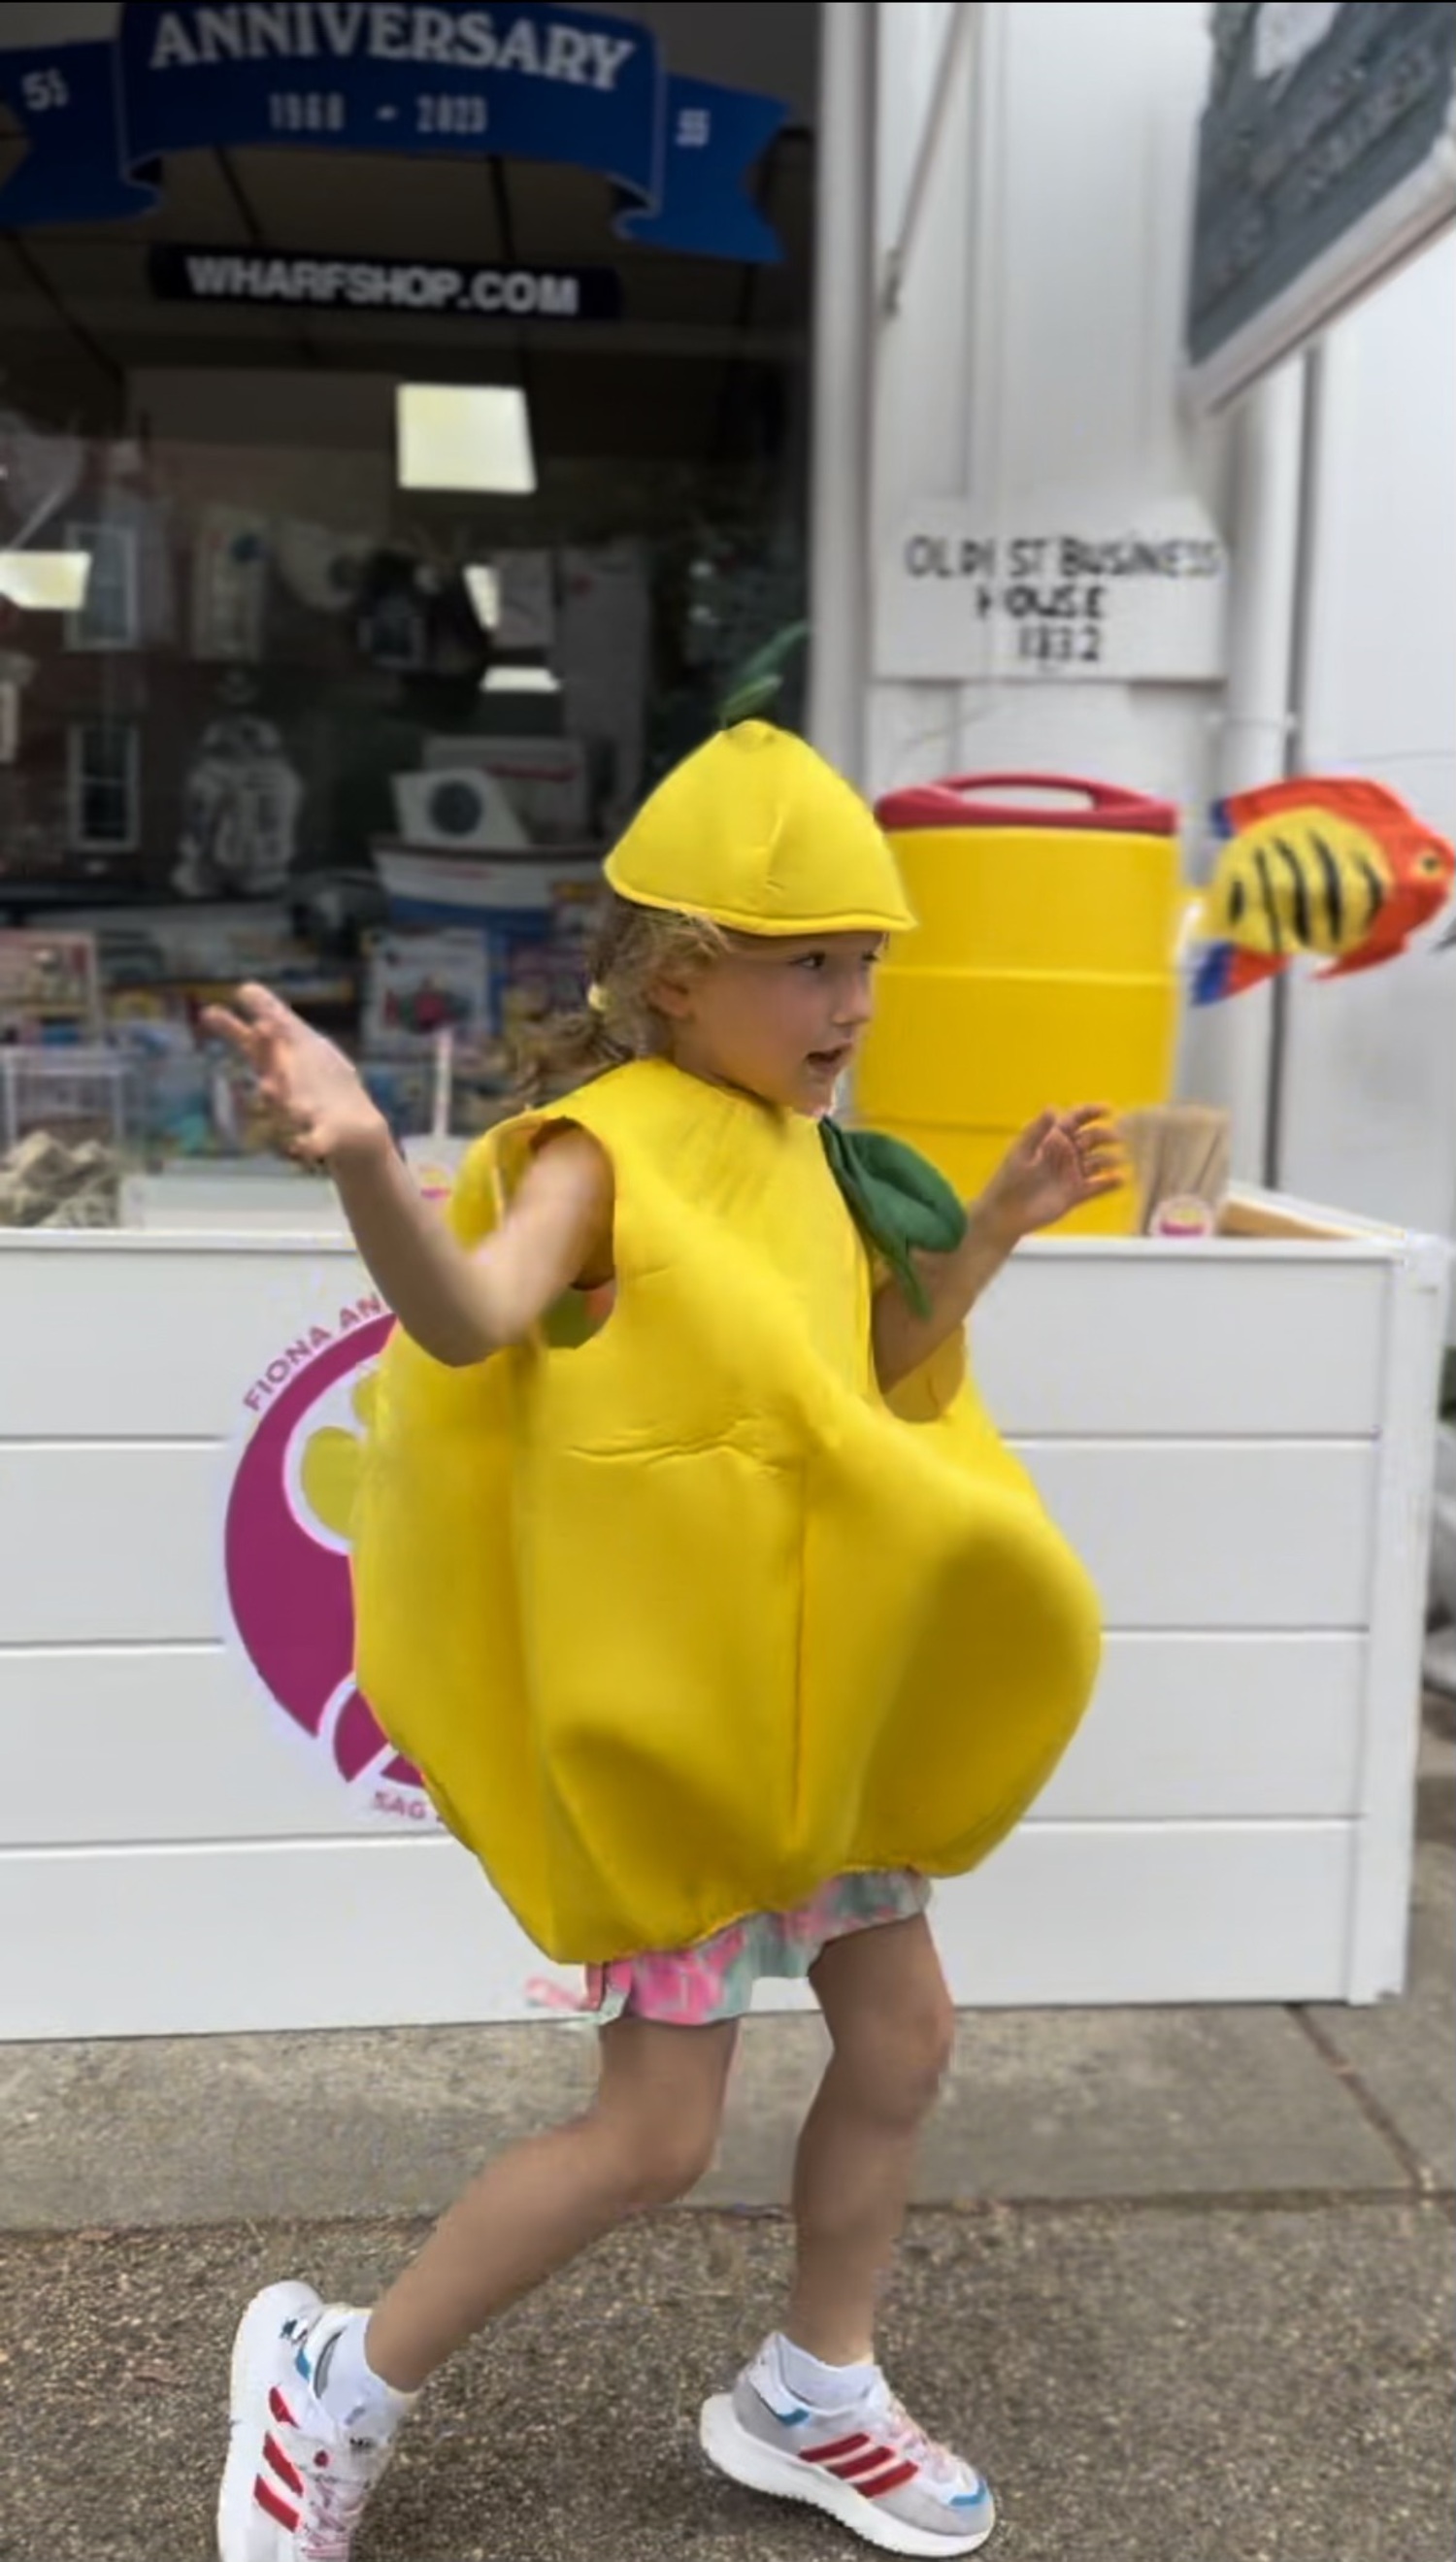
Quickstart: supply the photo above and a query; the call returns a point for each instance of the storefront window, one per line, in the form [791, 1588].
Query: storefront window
[375, 526]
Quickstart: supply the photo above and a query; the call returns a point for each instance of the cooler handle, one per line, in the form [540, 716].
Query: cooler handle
[961, 800]
[1099, 796]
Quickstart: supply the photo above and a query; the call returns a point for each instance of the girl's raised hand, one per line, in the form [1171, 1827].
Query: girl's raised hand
[1063, 1161]
[315, 1095]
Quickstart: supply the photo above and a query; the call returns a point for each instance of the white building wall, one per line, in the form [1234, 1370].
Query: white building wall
[1368, 1103]
[1035, 348]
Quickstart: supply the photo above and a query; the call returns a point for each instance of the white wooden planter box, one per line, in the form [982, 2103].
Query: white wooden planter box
[1237, 1434]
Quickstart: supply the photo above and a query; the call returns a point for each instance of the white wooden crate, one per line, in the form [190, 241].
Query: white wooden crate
[1237, 1434]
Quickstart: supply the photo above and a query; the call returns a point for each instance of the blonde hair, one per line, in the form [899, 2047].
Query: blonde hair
[632, 949]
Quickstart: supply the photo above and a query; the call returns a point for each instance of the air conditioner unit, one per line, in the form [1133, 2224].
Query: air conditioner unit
[461, 807]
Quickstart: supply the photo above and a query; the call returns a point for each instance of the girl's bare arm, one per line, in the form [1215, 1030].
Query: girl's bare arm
[460, 1306]
[1063, 1161]
[952, 1283]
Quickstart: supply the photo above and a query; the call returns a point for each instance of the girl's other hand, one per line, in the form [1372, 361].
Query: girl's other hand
[1058, 1164]
[316, 1095]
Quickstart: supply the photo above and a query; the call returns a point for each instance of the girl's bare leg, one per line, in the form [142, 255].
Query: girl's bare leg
[889, 2014]
[648, 2138]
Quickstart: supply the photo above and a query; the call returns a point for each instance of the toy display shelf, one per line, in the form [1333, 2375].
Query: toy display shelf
[1236, 1432]
[231, 1195]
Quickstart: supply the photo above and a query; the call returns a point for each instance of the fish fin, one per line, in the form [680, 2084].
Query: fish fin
[1366, 956]
[1210, 971]
[1226, 969]
[1349, 797]
[1241, 811]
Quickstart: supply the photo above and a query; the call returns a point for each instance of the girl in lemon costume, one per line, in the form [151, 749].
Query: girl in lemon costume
[695, 1580]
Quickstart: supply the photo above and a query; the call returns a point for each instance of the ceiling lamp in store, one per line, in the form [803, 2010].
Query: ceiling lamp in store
[45, 582]
[522, 677]
[454, 435]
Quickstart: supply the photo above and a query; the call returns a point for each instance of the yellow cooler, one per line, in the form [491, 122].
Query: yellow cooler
[1043, 971]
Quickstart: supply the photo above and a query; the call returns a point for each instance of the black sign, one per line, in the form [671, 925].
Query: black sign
[288, 281]
[1317, 116]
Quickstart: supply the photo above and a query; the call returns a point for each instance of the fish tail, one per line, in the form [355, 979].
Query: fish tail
[1226, 969]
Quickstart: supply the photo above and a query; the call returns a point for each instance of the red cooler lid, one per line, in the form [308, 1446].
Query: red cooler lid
[957, 802]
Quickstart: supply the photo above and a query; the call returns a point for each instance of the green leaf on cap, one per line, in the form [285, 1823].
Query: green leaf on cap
[761, 677]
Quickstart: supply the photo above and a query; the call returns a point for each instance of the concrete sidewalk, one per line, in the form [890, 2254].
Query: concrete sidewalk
[1181, 2281]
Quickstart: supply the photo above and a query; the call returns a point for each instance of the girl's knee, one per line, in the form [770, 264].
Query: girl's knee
[898, 2060]
[925, 2041]
[660, 2160]
[674, 2160]
[659, 2106]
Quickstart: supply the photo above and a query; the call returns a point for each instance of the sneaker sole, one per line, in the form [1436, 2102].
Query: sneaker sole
[746, 2459]
[245, 2534]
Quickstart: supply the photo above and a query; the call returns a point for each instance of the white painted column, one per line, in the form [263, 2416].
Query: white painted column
[1227, 1049]
[1034, 354]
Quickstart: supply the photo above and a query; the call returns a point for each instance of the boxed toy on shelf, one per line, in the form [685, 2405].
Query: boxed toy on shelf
[49, 986]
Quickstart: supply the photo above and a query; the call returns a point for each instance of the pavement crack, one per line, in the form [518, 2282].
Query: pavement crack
[1422, 2178]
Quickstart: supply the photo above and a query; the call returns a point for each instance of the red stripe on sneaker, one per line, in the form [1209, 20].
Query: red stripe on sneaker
[273, 2455]
[280, 2408]
[888, 2481]
[278, 2509]
[869, 2463]
[830, 2454]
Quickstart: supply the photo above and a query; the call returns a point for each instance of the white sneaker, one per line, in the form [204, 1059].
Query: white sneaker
[869, 2466]
[295, 2483]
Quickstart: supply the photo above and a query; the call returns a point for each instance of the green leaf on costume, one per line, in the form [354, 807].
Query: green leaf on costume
[898, 1201]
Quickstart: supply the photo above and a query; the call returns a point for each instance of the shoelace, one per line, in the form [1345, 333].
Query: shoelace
[934, 2459]
[332, 2506]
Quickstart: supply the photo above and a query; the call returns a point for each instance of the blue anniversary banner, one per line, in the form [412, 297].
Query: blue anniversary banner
[529, 82]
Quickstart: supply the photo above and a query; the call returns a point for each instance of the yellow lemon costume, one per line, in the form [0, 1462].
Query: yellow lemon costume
[685, 1619]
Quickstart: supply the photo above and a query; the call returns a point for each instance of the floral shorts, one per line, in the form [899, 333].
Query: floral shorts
[697, 1987]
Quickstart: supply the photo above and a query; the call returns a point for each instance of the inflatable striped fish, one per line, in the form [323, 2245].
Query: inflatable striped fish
[1336, 868]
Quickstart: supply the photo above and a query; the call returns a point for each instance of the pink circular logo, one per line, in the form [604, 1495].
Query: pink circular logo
[287, 1554]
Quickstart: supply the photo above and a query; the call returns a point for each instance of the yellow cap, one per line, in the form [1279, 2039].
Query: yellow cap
[756, 831]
